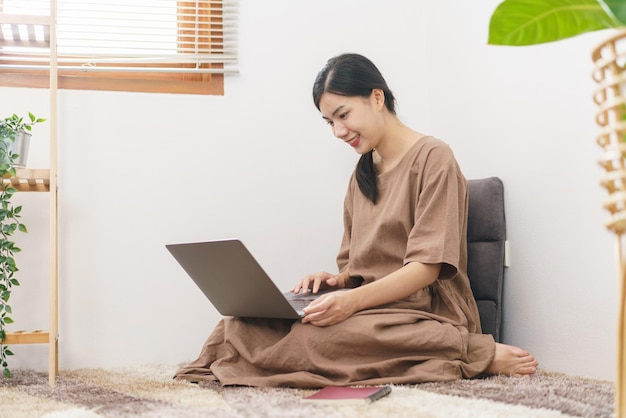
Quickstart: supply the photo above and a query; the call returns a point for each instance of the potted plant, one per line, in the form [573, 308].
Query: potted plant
[13, 131]
[15, 139]
[530, 22]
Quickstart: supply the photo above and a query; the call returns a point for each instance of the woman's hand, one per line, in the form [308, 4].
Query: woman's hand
[335, 307]
[317, 281]
[330, 309]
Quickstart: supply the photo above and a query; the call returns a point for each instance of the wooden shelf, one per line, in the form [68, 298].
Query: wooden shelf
[38, 180]
[25, 337]
[35, 35]
[28, 31]
[30, 180]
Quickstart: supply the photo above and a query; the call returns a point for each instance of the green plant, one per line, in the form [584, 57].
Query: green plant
[530, 22]
[12, 125]
[9, 224]
[10, 130]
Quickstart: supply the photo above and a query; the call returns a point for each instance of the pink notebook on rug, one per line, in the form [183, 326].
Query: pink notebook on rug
[347, 395]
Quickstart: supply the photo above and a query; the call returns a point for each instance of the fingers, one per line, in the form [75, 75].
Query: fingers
[300, 285]
[324, 311]
[315, 310]
[319, 319]
[317, 282]
[317, 306]
[303, 285]
[313, 282]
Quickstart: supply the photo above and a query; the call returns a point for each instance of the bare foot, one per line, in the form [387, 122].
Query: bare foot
[512, 361]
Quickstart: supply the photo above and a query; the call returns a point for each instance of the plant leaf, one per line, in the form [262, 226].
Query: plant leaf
[617, 8]
[7, 373]
[529, 22]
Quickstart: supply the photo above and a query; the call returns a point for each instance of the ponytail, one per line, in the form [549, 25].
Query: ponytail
[366, 176]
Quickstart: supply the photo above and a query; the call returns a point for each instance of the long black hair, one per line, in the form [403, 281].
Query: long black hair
[355, 75]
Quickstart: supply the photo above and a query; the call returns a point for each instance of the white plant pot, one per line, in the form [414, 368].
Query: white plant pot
[15, 145]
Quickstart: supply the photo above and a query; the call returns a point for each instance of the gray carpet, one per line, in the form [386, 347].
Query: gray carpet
[149, 391]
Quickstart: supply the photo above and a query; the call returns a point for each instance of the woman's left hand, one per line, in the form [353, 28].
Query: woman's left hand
[330, 309]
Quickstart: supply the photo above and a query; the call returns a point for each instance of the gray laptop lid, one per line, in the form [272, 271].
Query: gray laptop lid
[232, 279]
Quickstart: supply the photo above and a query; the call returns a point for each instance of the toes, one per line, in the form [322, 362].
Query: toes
[525, 371]
[513, 361]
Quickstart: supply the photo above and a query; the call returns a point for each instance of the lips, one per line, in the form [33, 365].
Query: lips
[355, 141]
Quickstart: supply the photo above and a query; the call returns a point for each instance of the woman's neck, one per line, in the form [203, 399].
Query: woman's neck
[394, 145]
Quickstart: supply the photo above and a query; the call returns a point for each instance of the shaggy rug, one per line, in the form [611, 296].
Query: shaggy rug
[149, 391]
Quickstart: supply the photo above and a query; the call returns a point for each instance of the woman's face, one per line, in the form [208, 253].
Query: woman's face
[353, 119]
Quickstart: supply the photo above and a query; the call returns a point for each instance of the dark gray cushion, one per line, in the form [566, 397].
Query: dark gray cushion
[486, 235]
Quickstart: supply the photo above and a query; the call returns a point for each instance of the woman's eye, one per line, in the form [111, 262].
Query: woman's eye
[329, 122]
[343, 115]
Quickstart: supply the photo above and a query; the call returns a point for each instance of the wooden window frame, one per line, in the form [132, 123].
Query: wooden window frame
[133, 81]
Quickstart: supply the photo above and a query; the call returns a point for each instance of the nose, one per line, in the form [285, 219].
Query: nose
[340, 131]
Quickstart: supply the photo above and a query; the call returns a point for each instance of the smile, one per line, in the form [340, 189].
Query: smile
[355, 141]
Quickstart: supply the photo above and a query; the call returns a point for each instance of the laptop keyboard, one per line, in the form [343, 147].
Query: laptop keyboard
[299, 304]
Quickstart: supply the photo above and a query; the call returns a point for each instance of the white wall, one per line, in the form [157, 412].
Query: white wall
[138, 171]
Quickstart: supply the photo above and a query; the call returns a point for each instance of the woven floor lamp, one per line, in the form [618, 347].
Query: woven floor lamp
[609, 61]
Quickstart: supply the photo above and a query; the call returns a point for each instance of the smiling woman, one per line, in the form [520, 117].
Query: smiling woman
[406, 312]
[162, 46]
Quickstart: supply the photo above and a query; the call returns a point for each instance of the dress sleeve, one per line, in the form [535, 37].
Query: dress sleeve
[440, 213]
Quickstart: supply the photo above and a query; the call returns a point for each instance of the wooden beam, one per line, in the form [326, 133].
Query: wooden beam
[24, 337]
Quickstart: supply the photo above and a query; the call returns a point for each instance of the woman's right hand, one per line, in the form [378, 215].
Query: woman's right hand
[322, 280]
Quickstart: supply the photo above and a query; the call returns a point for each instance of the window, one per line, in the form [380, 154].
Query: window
[125, 45]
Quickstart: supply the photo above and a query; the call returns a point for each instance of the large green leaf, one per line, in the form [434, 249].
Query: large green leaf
[529, 22]
[617, 8]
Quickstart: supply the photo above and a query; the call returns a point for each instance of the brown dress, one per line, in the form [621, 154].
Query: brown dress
[433, 335]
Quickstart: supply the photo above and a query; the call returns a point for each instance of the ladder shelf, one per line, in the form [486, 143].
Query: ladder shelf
[31, 31]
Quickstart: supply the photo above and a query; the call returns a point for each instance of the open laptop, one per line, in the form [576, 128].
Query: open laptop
[235, 283]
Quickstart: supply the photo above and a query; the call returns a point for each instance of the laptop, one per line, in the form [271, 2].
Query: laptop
[235, 283]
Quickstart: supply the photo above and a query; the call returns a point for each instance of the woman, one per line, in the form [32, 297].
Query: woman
[409, 314]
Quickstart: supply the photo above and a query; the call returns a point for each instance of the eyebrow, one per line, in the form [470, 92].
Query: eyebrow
[335, 111]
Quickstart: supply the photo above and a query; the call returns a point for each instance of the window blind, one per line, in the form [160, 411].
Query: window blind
[157, 36]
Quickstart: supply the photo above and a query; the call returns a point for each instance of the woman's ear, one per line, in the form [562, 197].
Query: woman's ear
[378, 98]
